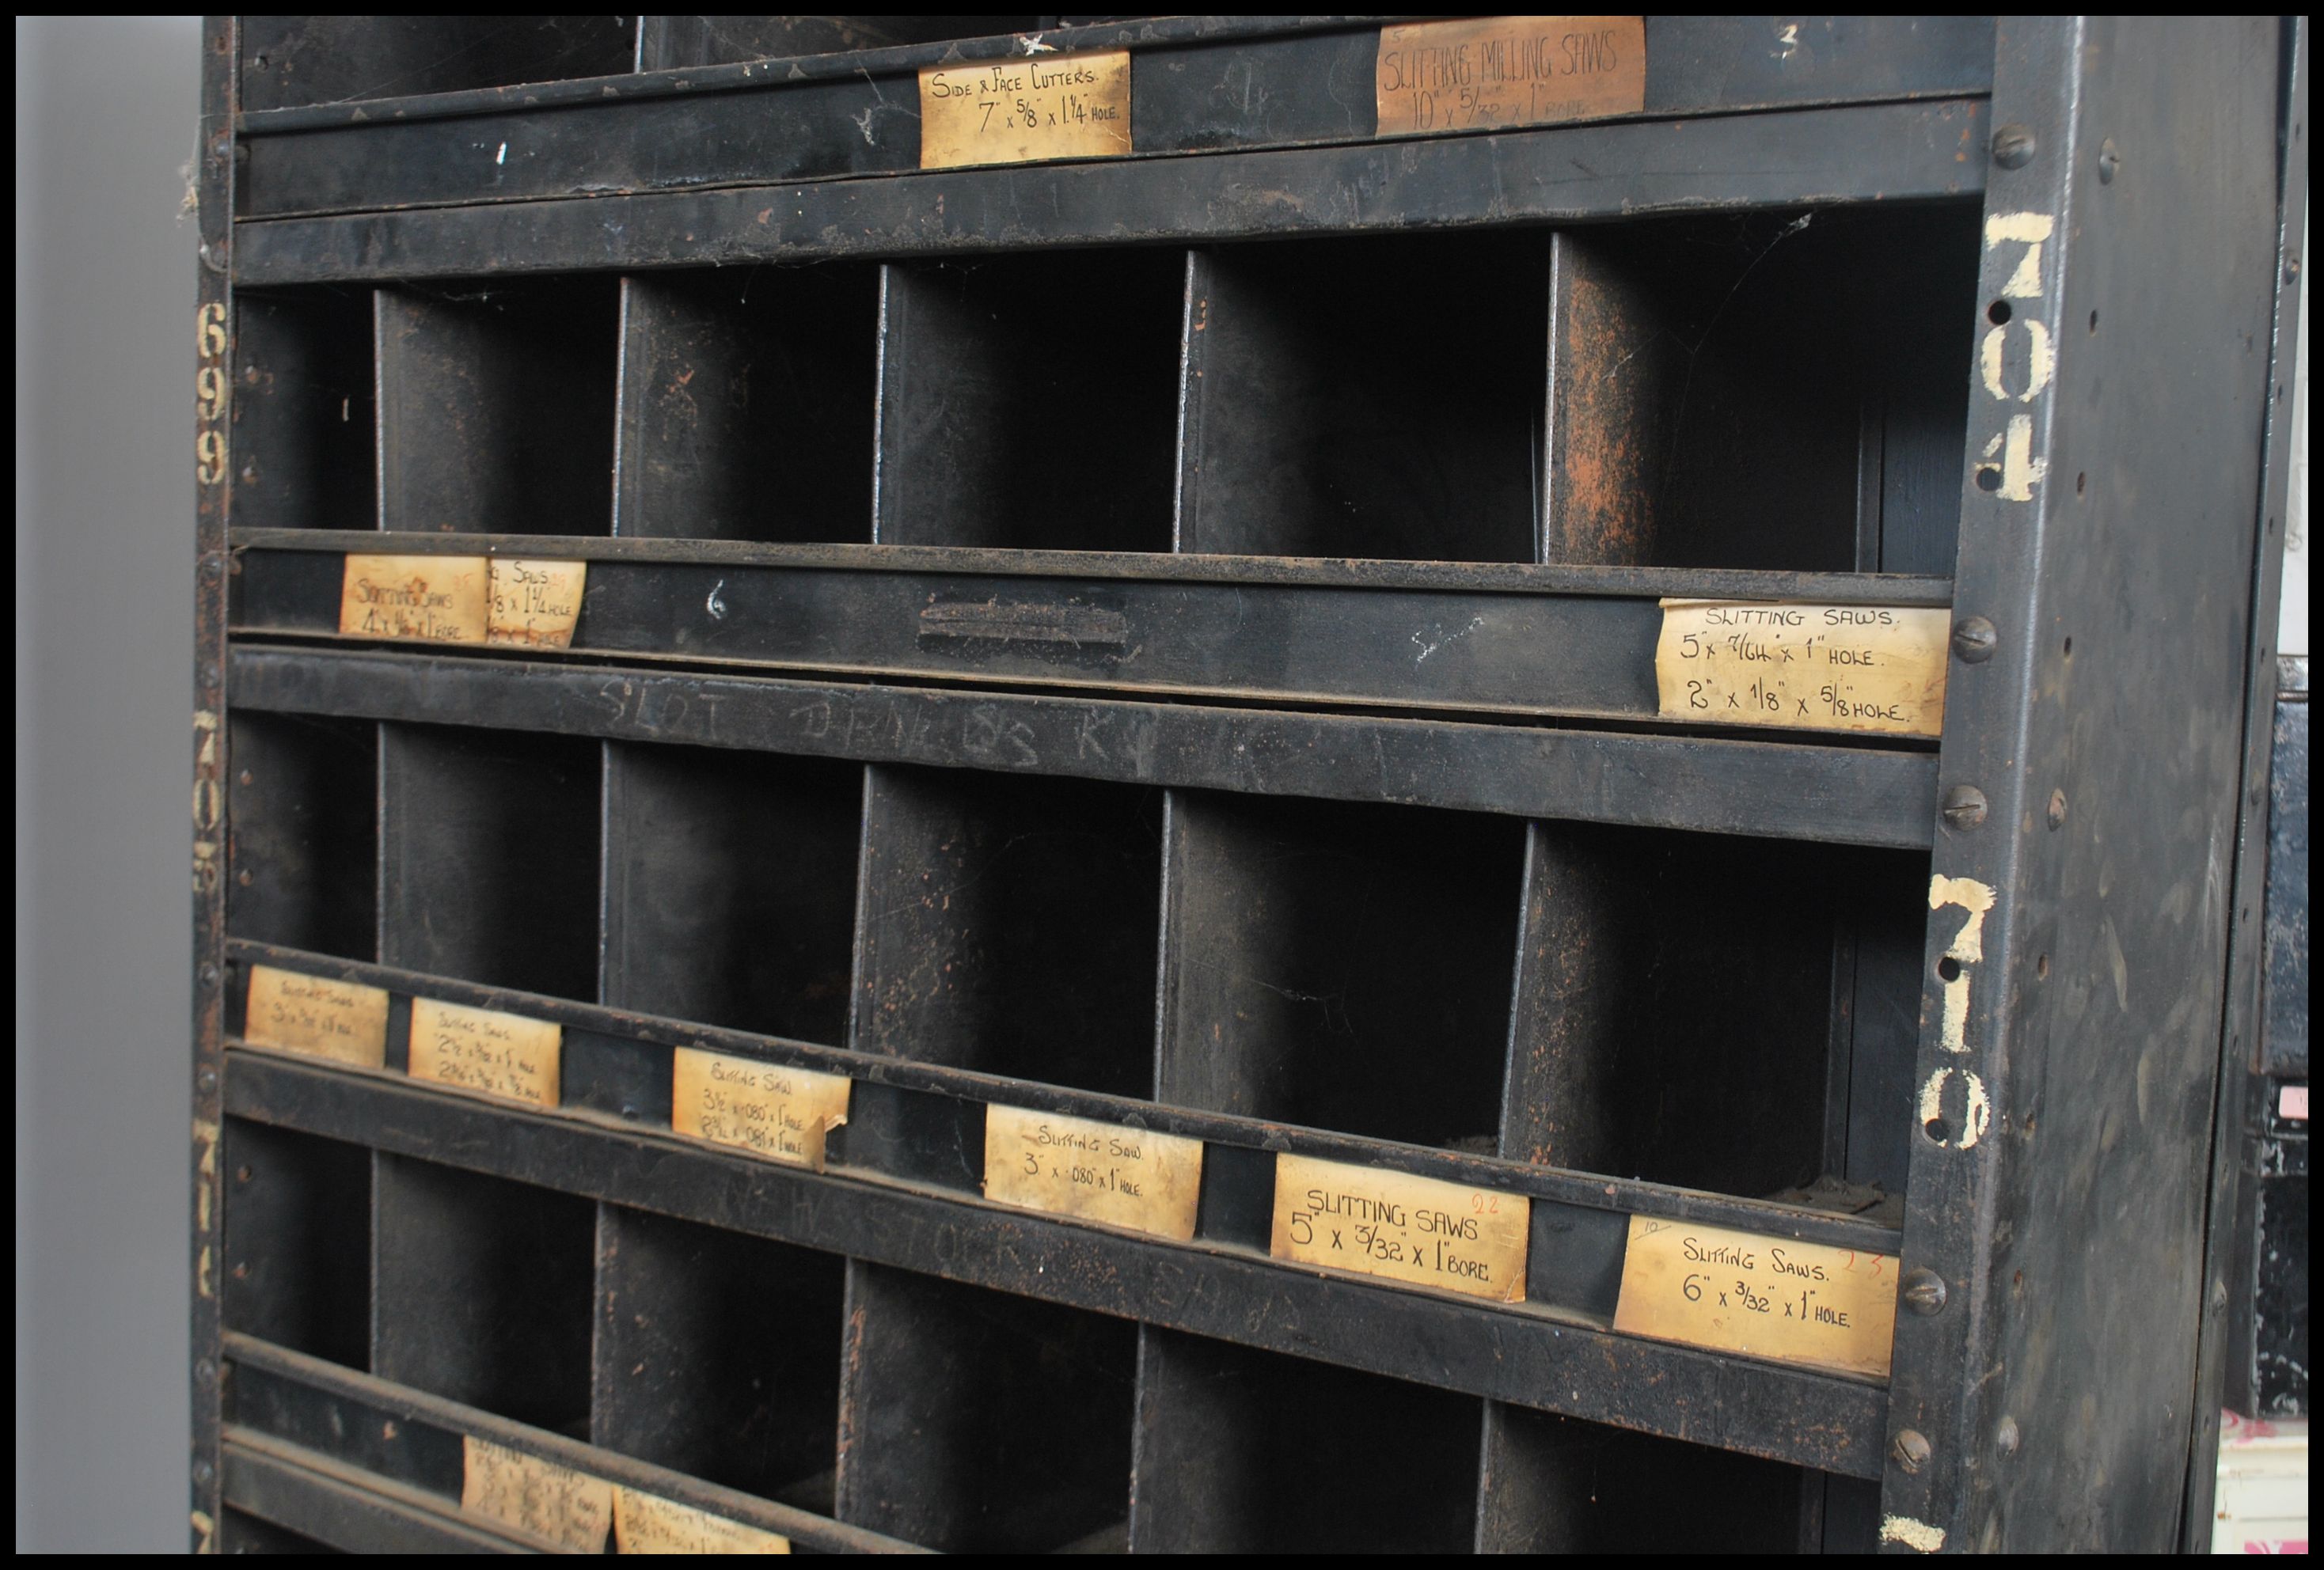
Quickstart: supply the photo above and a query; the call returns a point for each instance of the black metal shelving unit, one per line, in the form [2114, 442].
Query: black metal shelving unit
[1171, 639]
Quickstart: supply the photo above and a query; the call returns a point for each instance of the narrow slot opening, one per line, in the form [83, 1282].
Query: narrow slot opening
[490, 848]
[1346, 966]
[1030, 402]
[496, 406]
[1010, 925]
[976, 1422]
[1766, 390]
[297, 1247]
[749, 398]
[1244, 1451]
[483, 1290]
[301, 865]
[671, 42]
[1559, 1485]
[717, 1355]
[1374, 397]
[289, 61]
[240, 1533]
[1721, 1012]
[300, 382]
[732, 895]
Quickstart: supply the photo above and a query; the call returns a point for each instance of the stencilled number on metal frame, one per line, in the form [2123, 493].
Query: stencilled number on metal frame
[210, 468]
[2017, 357]
[209, 393]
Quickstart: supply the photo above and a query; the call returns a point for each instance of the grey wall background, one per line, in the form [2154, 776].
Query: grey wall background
[105, 513]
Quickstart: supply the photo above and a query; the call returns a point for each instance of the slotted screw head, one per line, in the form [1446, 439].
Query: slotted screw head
[1964, 807]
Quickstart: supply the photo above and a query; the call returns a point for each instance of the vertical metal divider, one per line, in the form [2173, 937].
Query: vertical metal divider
[1144, 1412]
[381, 824]
[1514, 1135]
[887, 345]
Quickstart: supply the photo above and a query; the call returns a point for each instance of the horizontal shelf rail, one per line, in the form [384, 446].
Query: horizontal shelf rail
[343, 1453]
[1837, 795]
[1903, 151]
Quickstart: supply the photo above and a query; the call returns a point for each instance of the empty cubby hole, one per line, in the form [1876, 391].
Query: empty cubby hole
[1560, 1485]
[717, 1355]
[496, 405]
[1245, 1450]
[1770, 391]
[1343, 966]
[1374, 397]
[299, 379]
[971, 1421]
[489, 857]
[1718, 1013]
[289, 61]
[301, 831]
[747, 403]
[1031, 401]
[730, 888]
[483, 1292]
[1010, 925]
[668, 42]
[298, 1234]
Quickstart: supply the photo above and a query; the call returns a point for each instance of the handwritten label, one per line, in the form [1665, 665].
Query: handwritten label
[569, 1509]
[339, 1020]
[535, 604]
[780, 1113]
[1418, 1232]
[1026, 111]
[429, 599]
[493, 1054]
[647, 1523]
[1492, 72]
[1877, 668]
[1096, 1171]
[1768, 1297]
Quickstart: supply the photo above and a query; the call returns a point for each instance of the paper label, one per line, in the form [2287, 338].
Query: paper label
[1768, 1297]
[647, 1523]
[535, 604]
[430, 598]
[339, 1020]
[1095, 1171]
[1418, 1232]
[1491, 71]
[1026, 111]
[568, 1508]
[1878, 668]
[768, 1109]
[503, 1055]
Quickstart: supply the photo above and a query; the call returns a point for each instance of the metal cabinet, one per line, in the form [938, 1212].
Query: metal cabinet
[753, 670]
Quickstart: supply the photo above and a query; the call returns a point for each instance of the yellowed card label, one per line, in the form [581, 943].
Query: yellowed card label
[768, 1109]
[1026, 111]
[535, 604]
[343, 1021]
[1419, 1232]
[1767, 1297]
[1093, 1171]
[569, 1509]
[647, 1523]
[503, 1055]
[1878, 668]
[1491, 71]
[431, 599]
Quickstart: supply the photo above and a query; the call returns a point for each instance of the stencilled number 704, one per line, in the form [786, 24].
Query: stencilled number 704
[2017, 358]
